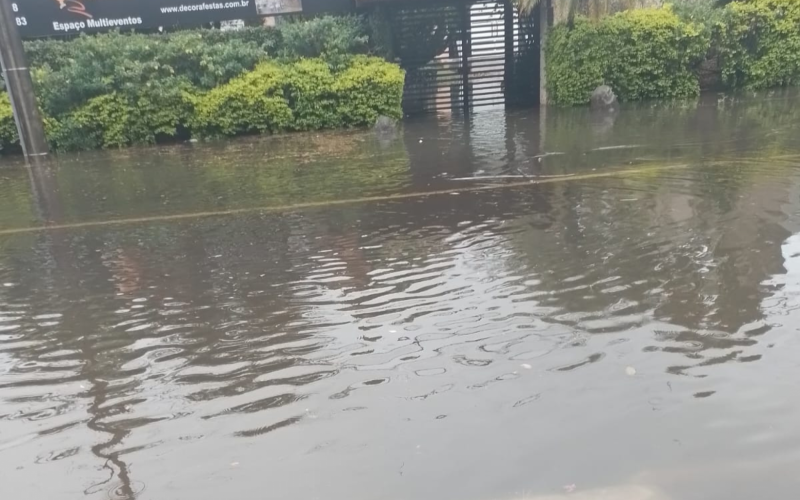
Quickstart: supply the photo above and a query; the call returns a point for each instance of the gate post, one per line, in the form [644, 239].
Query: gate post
[508, 32]
[466, 50]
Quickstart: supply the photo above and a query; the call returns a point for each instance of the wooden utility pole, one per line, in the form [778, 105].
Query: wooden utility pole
[19, 84]
[545, 21]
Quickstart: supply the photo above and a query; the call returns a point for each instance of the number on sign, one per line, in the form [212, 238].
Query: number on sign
[15, 7]
[21, 21]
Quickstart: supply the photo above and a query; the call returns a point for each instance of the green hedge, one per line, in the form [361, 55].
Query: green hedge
[119, 89]
[8, 130]
[760, 43]
[306, 95]
[69, 73]
[274, 97]
[251, 103]
[661, 53]
[643, 53]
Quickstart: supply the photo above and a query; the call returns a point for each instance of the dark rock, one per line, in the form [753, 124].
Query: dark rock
[603, 98]
[385, 125]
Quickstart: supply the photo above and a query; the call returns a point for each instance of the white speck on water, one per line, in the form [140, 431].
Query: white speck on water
[48, 316]
[234, 464]
[9, 284]
[526, 366]
[630, 371]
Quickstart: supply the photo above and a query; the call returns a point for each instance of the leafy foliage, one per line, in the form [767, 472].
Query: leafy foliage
[70, 73]
[333, 39]
[8, 130]
[704, 12]
[652, 53]
[117, 120]
[641, 54]
[251, 103]
[760, 43]
[115, 89]
[310, 90]
[306, 95]
[367, 89]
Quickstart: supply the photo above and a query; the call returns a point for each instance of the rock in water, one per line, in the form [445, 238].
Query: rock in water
[385, 125]
[603, 98]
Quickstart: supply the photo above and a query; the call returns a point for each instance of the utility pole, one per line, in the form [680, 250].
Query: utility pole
[19, 84]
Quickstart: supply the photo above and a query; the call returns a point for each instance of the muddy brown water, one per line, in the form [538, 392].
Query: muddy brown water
[269, 319]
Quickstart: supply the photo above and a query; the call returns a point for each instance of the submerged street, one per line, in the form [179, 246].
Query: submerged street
[516, 305]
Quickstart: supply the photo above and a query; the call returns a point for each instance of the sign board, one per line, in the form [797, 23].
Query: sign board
[41, 18]
[277, 7]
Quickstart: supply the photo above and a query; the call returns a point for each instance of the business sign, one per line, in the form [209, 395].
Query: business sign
[41, 18]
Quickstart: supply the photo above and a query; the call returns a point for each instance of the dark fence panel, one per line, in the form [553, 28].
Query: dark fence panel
[462, 54]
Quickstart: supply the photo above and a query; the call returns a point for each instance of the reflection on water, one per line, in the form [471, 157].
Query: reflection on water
[629, 336]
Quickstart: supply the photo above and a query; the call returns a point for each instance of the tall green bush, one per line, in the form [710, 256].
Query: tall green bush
[8, 130]
[274, 97]
[119, 89]
[334, 39]
[251, 103]
[309, 87]
[117, 119]
[641, 54]
[306, 95]
[369, 88]
[70, 73]
[760, 43]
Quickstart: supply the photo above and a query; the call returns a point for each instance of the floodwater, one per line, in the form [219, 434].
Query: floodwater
[517, 305]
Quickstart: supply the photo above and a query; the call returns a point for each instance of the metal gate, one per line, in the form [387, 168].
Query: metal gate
[463, 54]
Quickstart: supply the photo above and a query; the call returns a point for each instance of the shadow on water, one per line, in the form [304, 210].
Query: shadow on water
[631, 336]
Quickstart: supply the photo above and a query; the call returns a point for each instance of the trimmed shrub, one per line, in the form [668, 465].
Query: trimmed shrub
[306, 95]
[368, 88]
[118, 120]
[576, 62]
[333, 39]
[309, 87]
[760, 44]
[8, 129]
[251, 103]
[641, 54]
[69, 74]
[9, 139]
